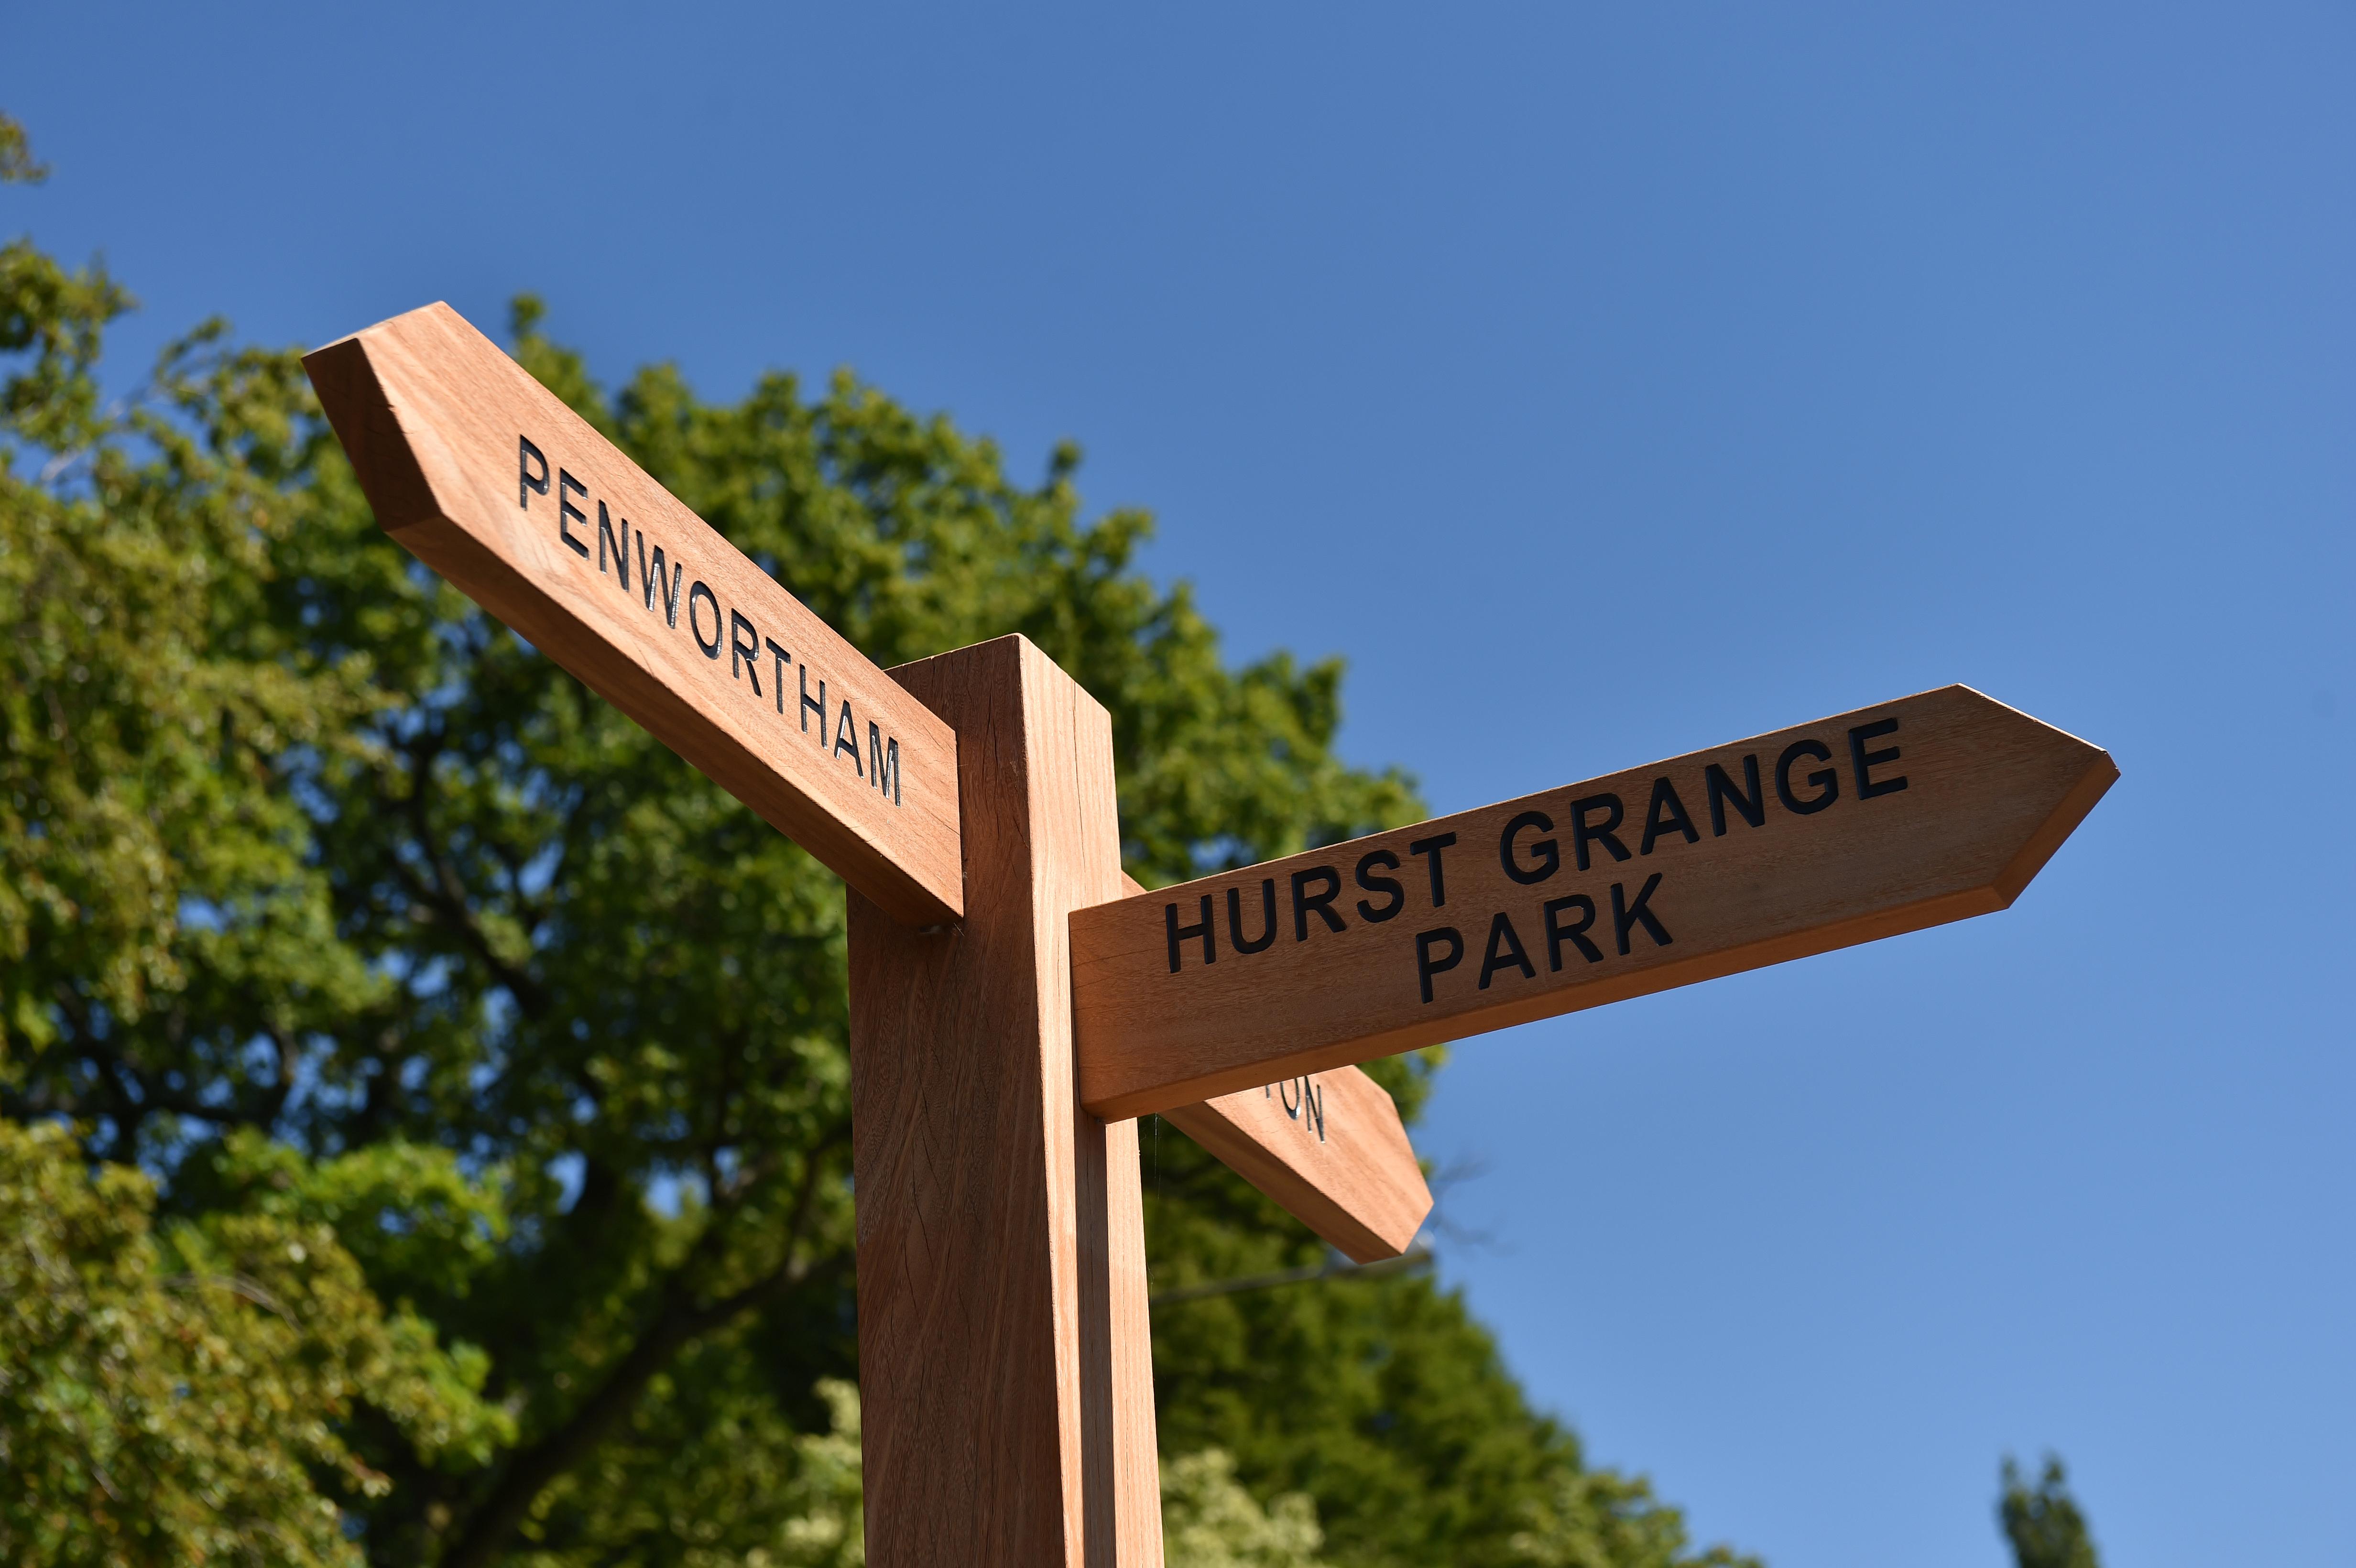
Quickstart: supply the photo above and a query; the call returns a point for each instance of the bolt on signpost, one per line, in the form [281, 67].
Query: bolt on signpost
[1016, 1001]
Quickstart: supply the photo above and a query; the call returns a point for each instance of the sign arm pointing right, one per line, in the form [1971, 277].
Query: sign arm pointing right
[1929, 809]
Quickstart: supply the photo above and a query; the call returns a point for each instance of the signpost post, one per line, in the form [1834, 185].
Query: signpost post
[1016, 1001]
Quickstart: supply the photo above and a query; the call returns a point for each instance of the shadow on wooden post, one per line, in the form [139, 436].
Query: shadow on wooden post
[1003, 1345]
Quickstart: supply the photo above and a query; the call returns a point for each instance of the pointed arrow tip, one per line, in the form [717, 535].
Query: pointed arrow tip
[354, 399]
[2080, 799]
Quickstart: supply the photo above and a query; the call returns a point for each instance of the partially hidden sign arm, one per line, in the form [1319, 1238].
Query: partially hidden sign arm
[1928, 809]
[486, 476]
[1327, 1147]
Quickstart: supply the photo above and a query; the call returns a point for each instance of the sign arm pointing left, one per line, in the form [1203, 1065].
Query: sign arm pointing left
[488, 477]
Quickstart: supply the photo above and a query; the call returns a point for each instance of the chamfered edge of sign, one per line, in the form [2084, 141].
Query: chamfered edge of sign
[2071, 809]
[362, 415]
[2001, 886]
[360, 409]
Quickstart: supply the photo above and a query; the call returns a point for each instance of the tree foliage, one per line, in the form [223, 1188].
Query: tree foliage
[194, 1392]
[2042, 1521]
[355, 926]
[1210, 1521]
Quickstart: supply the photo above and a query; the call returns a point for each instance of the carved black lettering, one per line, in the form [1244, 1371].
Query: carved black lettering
[1284, 1097]
[654, 586]
[1389, 862]
[1606, 832]
[883, 761]
[1313, 1100]
[809, 707]
[1426, 943]
[526, 481]
[621, 544]
[1557, 933]
[1179, 934]
[1544, 857]
[566, 512]
[846, 738]
[1827, 781]
[1749, 801]
[1305, 902]
[782, 658]
[1505, 951]
[1863, 762]
[1666, 815]
[1627, 916]
[1429, 849]
[1268, 917]
[695, 625]
[744, 645]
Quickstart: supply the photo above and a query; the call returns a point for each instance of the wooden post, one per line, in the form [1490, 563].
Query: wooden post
[1005, 1364]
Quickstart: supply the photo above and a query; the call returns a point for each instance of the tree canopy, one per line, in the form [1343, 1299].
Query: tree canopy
[2041, 1522]
[425, 1097]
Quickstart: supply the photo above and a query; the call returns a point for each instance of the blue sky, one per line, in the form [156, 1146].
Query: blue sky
[1602, 385]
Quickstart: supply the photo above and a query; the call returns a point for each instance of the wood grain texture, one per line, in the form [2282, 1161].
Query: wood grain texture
[1004, 1356]
[1330, 1149]
[1335, 1156]
[484, 475]
[1799, 842]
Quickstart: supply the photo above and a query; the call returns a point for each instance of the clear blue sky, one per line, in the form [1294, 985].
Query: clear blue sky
[1603, 384]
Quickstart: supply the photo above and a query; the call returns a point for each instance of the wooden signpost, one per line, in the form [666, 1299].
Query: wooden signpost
[1016, 1000]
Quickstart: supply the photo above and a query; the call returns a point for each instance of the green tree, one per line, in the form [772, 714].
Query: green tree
[2042, 1521]
[177, 1395]
[324, 902]
[1210, 1521]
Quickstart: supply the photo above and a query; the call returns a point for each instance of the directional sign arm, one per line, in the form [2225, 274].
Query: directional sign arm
[1328, 1149]
[486, 476]
[1889, 819]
